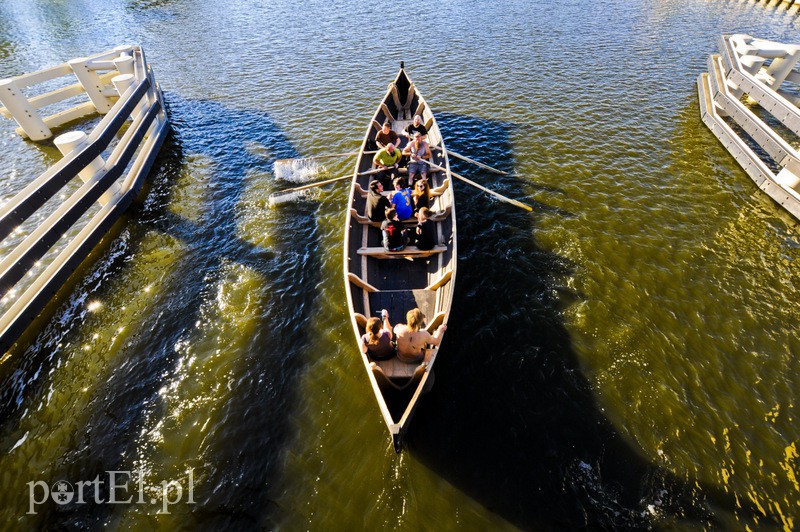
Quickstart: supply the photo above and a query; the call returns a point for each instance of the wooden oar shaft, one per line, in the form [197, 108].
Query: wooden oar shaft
[322, 183]
[312, 185]
[473, 161]
[481, 187]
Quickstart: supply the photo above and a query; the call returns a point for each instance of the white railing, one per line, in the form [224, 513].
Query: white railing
[94, 75]
[132, 99]
[755, 68]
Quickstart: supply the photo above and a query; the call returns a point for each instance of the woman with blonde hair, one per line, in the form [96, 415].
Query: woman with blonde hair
[421, 195]
[377, 342]
[412, 338]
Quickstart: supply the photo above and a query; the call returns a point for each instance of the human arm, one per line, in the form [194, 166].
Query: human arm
[364, 348]
[436, 337]
[384, 203]
[386, 325]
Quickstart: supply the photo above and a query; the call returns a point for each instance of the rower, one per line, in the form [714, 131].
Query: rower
[411, 341]
[387, 160]
[416, 127]
[377, 203]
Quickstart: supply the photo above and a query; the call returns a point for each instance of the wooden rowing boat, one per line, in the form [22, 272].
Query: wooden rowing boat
[376, 279]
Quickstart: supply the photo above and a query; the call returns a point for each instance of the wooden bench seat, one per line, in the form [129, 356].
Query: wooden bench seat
[409, 251]
[436, 217]
[385, 382]
[394, 368]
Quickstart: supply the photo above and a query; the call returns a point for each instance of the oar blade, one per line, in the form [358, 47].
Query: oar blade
[297, 170]
[279, 198]
[481, 187]
[473, 161]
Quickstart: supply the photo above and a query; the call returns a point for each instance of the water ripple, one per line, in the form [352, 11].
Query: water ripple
[635, 367]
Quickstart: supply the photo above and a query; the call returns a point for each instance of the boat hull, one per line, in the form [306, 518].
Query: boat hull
[376, 280]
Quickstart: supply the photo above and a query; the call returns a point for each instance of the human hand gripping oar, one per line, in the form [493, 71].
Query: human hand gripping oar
[282, 196]
[465, 158]
[476, 185]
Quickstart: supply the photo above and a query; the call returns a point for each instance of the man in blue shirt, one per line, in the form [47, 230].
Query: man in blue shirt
[401, 199]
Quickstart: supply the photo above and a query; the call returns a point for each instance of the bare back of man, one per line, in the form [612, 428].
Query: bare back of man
[411, 344]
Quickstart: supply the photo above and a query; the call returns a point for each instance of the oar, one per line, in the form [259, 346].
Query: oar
[476, 185]
[277, 197]
[285, 167]
[465, 158]
[325, 156]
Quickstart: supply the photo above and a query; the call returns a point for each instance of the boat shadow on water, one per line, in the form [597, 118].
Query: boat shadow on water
[240, 454]
[511, 420]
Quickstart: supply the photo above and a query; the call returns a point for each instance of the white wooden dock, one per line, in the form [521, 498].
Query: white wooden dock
[118, 84]
[746, 82]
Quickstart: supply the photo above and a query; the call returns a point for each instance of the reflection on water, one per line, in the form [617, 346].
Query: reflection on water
[626, 354]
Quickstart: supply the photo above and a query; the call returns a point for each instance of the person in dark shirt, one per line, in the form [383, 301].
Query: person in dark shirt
[377, 342]
[425, 230]
[394, 233]
[386, 136]
[416, 127]
[377, 203]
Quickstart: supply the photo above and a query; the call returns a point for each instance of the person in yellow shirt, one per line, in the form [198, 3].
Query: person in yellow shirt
[387, 160]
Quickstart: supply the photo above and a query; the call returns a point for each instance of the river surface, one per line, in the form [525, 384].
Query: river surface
[624, 356]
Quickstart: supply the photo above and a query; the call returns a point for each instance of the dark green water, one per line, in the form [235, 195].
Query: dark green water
[625, 356]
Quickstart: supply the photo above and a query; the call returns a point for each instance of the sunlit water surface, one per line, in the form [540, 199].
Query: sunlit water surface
[623, 356]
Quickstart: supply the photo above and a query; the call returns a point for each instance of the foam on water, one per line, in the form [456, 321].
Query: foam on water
[298, 170]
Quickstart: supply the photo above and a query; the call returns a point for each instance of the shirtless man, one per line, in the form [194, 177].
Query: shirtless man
[411, 341]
